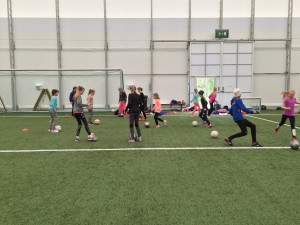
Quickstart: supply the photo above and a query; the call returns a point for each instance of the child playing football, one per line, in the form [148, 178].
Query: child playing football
[288, 105]
[203, 112]
[236, 109]
[52, 110]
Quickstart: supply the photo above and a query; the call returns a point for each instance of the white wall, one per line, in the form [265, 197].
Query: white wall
[129, 35]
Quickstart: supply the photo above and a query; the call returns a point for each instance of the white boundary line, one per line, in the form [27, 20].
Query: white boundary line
[138, 149]
[271, 121]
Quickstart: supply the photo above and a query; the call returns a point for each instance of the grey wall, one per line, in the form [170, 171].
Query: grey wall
[129, 49]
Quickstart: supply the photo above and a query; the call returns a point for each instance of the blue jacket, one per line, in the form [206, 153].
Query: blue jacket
[236, 106]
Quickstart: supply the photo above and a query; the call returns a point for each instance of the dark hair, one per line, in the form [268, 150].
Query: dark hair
[54, 91]
[201, 92]
[91, 91]
[74, 88]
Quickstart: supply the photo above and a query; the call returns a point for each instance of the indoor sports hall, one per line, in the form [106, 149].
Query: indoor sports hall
[150, 112]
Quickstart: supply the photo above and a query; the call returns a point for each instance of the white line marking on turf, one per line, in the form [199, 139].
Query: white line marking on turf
[271, 121]
[138, 149]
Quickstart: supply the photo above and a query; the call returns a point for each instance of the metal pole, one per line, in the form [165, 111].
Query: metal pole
[289, 44]
[151, 58]
[12, 54]
[221, 15]
[252, 22]
[188, 49]
[59, 49]
[106, 56]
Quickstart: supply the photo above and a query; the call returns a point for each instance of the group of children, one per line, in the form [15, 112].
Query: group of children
[136, 106]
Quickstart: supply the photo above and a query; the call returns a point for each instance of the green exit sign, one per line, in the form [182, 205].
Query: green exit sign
[221, 33]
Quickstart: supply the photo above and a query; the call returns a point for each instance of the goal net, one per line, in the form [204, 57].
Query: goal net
[29, 84]
[252, 103]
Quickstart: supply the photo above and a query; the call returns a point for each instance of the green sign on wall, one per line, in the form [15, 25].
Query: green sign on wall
[221, 33]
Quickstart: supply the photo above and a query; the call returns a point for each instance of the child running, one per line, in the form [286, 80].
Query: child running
[203, 111]
[157, 110]
[52, 110]
[133, 108]
[90, 105]
[212, 99]
[143, 103]
[288, 105]
[195, 100]
[122, 102]
[79, 115]
[236, 109]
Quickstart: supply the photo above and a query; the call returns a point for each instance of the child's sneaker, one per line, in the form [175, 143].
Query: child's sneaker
[156, 126]
[276, 130]
[92, 137]
[140, 119]
[165, 122]
[256, 144]
[294, 139]
[228, 141]
[77, 138]
[139, 139]
[131, 141]
[49, 130]
[209, 126]
[54, 131]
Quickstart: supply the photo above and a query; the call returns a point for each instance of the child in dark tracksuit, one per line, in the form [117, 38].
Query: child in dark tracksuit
[236, 109]
[203, 112]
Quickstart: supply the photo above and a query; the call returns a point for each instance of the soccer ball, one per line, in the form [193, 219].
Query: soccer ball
[147, 124]
[97, 121]
[294, 145]
[214, 134]
[57, 127]
[195, 123]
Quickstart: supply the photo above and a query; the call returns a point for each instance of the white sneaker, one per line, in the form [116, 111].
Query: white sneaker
[49, 130]
[54, 131]
[92, 137]
[77, 138]
[131, 141]
[165, 122]
[139, 138]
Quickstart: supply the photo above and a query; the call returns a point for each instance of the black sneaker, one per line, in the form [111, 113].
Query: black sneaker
[228, 141]
[256, 144]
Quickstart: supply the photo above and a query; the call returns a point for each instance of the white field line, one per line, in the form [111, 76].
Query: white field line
[271, 121]
[139, 149]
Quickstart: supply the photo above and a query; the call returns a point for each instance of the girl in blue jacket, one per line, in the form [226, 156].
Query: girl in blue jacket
[236, 109]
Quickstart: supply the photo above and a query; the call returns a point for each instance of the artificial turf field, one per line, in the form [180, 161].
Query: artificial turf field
[176, 175]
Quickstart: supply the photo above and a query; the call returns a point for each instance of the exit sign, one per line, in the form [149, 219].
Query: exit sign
[221, 33]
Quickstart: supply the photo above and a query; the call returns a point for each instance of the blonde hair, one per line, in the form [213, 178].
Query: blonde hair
[121, 89]
[237, 92]
[196, 90]
[285, 94]
[78, 90]
[156, 96]
[133, 88]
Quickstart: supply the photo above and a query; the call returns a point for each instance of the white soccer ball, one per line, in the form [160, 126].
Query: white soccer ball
[58, 127]
[147, 124]
[195, 123]
[214, 134]
[294, 145]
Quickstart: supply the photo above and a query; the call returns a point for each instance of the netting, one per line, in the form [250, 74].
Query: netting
[252, 103]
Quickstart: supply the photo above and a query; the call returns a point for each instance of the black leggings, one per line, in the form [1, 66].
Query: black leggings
[203, 116]
[143, 111]
[156, 115]
[291, 118]
[292, 123]
[243, 124]
[80, 117]
[211, 108]
[134, 120]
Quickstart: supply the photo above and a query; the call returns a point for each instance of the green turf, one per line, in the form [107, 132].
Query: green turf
[147, 187]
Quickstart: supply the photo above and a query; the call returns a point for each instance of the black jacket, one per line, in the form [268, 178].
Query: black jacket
[134, 103]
